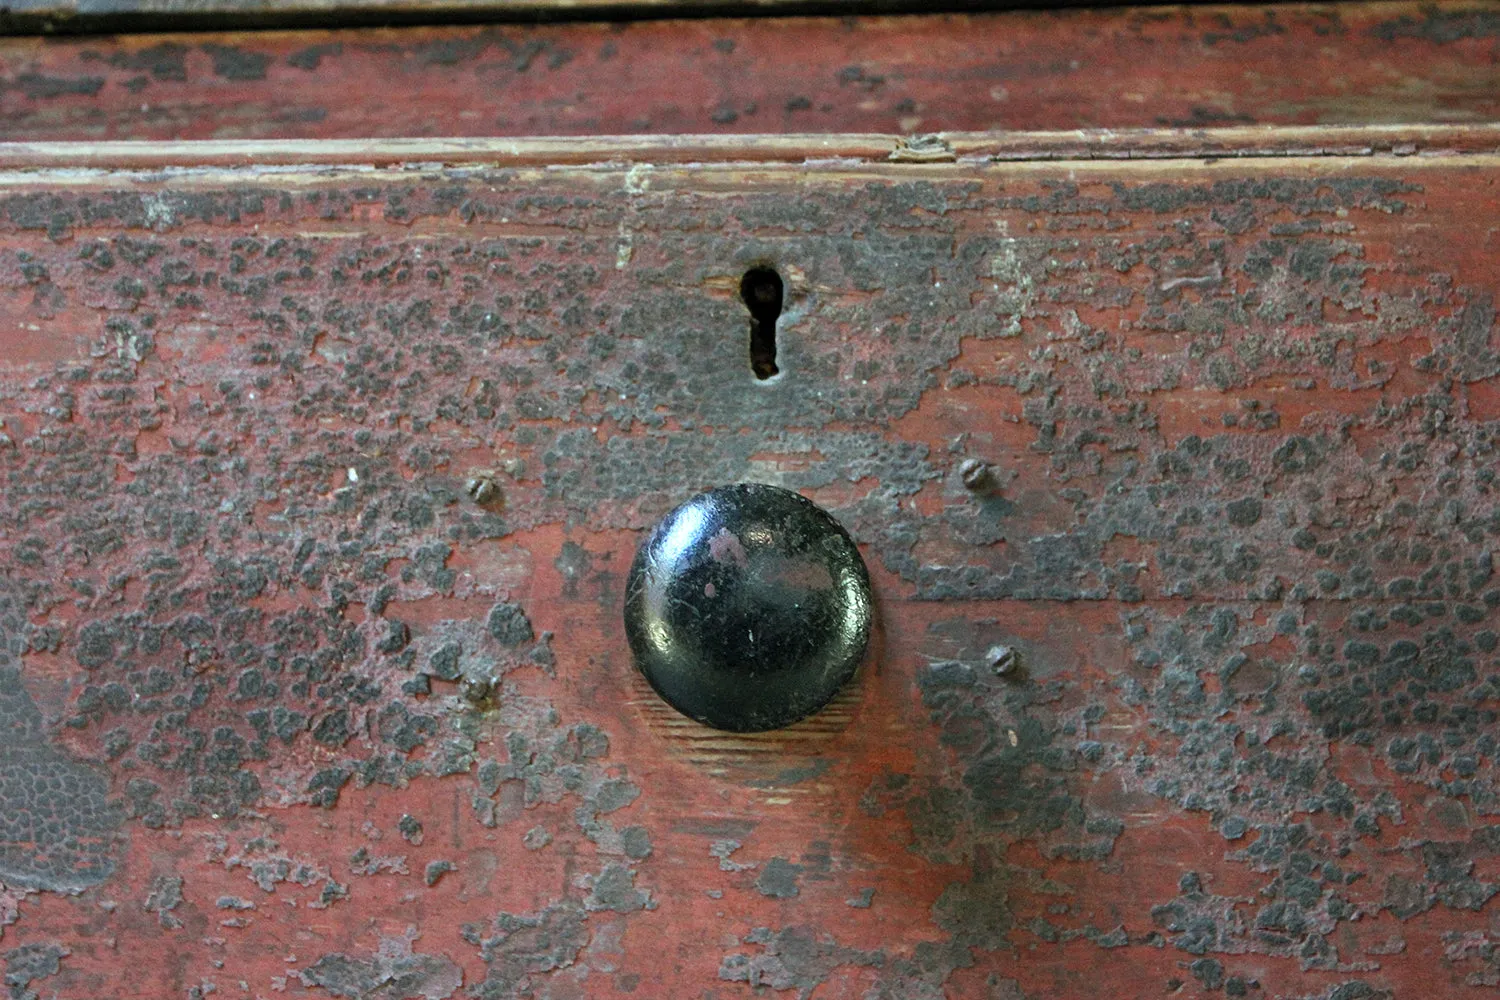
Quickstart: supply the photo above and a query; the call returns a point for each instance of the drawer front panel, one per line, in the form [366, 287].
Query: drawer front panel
[1237, 422]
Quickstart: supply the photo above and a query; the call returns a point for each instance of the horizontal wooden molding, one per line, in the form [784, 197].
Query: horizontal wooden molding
[968, 147]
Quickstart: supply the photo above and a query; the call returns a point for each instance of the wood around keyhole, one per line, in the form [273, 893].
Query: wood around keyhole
[761, 290]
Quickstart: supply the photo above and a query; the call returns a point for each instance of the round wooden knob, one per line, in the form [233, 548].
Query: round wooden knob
[748, 607]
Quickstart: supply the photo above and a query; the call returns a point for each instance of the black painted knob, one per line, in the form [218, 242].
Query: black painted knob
[748, 607]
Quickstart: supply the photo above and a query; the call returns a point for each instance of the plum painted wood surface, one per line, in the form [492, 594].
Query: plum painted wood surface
[1242, 416]
[1198, 66]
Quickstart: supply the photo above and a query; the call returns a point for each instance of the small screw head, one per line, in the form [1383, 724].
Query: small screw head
[476, 690]
[482, 489]
[1002, 660]
[976, 475]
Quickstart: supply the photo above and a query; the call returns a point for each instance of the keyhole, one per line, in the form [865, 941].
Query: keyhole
[761, 290]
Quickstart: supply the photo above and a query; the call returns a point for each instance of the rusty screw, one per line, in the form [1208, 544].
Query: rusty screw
[1002, 660]
[977, 476]
[482, 489]
[476, 690]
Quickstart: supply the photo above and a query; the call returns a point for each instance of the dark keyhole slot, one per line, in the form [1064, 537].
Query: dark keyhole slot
[761, 290]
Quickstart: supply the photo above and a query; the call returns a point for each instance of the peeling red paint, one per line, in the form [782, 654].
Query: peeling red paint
[1198, 66]
[1238, 416]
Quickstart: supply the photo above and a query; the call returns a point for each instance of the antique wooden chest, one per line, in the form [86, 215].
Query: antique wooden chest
[1149, 356]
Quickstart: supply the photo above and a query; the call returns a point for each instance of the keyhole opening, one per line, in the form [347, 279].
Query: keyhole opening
[761, 289]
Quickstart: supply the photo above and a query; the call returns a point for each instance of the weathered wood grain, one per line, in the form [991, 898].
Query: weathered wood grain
[970, 148]
[1242, 416]
[1199, 66]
